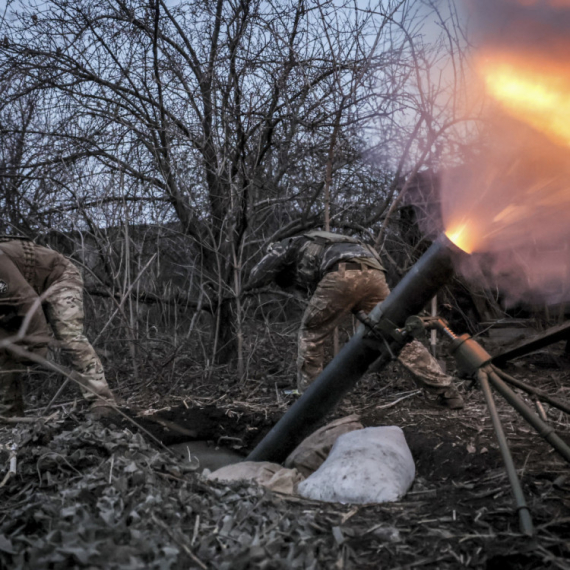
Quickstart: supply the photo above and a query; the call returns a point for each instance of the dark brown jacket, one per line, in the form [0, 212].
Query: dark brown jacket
[26, 271]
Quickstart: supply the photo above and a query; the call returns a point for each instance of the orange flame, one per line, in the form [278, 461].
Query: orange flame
[525, 180]
[509, 200]
[462, 236]
[531, 90]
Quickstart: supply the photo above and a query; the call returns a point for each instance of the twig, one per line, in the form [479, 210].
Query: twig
[179, 542]
[196, 529]
[111, 468]
[13, 465]
[56, 396]
[125, 297]
[5, 480]
[414, 393]
[18, 420]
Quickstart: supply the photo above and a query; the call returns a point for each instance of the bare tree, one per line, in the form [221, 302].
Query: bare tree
[240, 121]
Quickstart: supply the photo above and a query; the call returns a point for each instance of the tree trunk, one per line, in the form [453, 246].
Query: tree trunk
[226, 346]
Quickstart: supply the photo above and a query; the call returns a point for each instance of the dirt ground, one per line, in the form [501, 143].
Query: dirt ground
[109, 495]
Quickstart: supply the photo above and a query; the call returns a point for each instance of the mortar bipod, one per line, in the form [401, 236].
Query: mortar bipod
[474, 361]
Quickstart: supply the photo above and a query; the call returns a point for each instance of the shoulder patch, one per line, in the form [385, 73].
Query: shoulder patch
[3, 287]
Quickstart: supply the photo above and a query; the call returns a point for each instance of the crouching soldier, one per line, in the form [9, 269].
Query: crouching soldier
[342, 275]
[39, 286]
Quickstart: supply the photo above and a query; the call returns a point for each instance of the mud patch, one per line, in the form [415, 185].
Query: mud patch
[236, 428]
[440, 458]
[206, 455]
[514, 562]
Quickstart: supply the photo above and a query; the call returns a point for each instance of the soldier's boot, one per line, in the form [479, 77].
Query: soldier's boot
[102, 409]
[450, 399]
[96, 391]
[103, 403]
[11, 396]
[303, 381]
[302, 384]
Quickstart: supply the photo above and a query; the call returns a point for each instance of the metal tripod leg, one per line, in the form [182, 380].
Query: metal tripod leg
[533, 391]
[475, 361]
[543, 429]
[525, 520]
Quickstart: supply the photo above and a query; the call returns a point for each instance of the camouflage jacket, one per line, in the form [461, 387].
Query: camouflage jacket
[26, 271]
[302, 261]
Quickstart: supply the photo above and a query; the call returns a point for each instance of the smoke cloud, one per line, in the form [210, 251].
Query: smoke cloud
[510, 204]
[539, 25]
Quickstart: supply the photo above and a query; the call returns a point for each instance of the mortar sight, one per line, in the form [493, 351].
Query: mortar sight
[379, 342]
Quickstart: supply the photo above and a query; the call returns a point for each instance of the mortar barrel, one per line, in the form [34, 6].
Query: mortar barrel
[433, 270]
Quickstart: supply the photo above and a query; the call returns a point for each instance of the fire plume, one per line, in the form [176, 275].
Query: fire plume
[462, 236]
[509, 201]
[536, 92]
[520, 184]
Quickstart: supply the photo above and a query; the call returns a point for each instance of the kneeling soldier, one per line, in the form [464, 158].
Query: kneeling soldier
[44, 286]
[342, 275]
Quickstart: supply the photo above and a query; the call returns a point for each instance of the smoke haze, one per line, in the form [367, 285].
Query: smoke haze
[511, 204]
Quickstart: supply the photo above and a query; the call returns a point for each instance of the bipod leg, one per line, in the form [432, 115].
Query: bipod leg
[525, 520]
[543, 429]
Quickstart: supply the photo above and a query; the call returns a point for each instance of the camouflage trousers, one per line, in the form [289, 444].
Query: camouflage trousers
[338, 294]
[64, 311]
[63, 305]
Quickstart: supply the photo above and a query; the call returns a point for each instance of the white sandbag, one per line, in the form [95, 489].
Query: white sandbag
[310, 454]
[269, 475]
[371, 465]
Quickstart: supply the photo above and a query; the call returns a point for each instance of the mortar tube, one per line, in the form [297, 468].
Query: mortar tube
[433, 270]
[525, 520]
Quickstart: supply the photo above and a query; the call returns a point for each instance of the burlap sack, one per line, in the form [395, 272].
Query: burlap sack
[310, 454]
[269, 475]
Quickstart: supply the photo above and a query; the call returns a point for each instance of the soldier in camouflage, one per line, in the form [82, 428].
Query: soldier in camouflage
[39, 286]
[342, 275]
